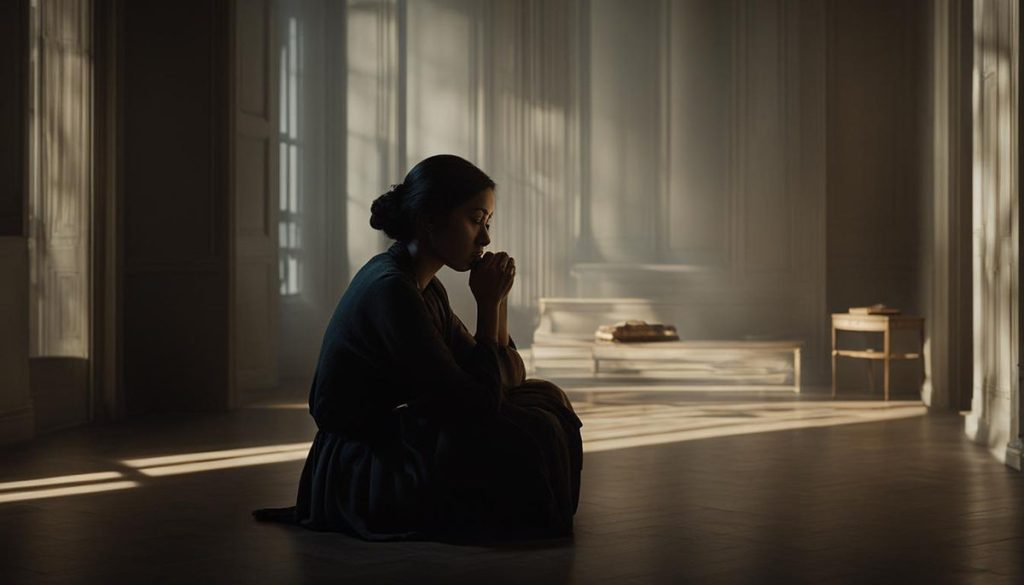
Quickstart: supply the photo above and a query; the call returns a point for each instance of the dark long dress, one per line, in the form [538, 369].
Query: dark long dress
[427, 433]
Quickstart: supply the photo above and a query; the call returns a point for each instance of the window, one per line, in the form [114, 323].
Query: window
[289, 145]
[60, 192]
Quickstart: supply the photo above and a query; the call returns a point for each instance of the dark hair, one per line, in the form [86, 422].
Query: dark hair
[435, 186]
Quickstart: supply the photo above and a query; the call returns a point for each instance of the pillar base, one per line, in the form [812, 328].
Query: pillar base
[1015, 454]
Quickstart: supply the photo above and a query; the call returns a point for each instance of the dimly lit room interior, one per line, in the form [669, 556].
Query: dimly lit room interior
[768, 249]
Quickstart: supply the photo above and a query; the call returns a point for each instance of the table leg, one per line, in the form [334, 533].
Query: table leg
[885, 361]
[835, 359]
[923, 372]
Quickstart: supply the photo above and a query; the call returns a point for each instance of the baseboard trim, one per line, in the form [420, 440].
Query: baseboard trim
[17, 425]
[976, 429]
[1015, 454]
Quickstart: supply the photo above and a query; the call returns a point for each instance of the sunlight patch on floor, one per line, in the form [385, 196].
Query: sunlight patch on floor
[211, 455]
[20, 496]
[60, 480]
[276, 457]
[606, 427]
[609, 427]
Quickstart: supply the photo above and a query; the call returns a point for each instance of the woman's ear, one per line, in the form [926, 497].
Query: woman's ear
[429, 222]
[425, 225]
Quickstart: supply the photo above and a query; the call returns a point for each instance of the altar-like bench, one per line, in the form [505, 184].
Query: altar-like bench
[734, 361]
[564, 347]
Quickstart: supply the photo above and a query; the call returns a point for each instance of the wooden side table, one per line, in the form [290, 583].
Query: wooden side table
[884, 324]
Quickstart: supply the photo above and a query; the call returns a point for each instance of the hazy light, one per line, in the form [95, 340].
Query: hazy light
[62, 479]
[209, 455]
[67, 491]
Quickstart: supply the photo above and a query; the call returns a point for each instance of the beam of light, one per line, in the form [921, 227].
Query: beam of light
[609, 430]
[211, 455]
[58, 480]
[66, 491]
[277, 457]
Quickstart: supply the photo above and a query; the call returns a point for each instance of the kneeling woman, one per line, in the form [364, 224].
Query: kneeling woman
[426, 431]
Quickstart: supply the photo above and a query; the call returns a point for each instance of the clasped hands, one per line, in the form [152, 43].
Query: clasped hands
[491, 277]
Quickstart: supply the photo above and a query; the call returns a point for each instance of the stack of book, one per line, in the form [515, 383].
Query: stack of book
[636, 331]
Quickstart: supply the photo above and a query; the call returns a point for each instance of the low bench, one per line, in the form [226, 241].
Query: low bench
[564, 348]
[736, 360]
[757, 363]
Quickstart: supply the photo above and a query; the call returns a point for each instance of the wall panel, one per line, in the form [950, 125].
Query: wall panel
[256, 286]
[174, 139]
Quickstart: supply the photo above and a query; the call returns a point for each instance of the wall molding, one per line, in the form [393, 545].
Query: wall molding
[1015, 454]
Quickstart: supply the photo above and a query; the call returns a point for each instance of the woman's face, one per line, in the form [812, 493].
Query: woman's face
[460, 238]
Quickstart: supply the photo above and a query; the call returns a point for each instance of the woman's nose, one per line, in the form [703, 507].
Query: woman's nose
[484, 239]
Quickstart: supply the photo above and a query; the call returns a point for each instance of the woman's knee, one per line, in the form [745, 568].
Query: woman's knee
[539, 390]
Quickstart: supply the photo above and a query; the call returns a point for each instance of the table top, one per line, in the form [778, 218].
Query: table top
[851, 322]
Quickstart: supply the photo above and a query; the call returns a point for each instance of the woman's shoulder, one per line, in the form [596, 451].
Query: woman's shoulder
[382, 271]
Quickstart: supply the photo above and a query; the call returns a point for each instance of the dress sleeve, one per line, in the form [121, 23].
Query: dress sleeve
[419, 357]
[512, 371]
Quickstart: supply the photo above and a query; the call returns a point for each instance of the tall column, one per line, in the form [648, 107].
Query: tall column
[995, 413]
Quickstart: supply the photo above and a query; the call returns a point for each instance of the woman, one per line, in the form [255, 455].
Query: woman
[426, 431]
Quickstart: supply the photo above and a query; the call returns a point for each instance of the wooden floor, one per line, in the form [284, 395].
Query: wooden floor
[677, 488]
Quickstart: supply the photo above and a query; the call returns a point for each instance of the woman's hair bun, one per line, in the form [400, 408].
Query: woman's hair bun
[386, 211]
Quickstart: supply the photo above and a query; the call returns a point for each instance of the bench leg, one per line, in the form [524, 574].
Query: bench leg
[796, 370]
[835, 359]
